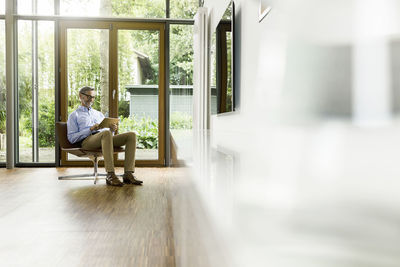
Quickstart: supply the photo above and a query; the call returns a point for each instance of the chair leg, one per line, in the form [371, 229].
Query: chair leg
[96, 165]
[88, 176]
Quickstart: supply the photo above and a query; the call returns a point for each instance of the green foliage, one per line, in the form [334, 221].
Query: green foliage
[25, 141]
[123, 108]
[84, 64]
[181, 43]
[143, 44]
[25, 131]
[138, 8]
[147, 134]
[46, 127]
[145, 128]
[2, 83]
[181, 58]
[25, 105]
[180, 120]
[2, 109]
[46, 123]
[25, 96]
[183, 9]
[228, 13]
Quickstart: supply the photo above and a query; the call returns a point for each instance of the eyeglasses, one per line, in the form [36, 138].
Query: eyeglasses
[89, 96]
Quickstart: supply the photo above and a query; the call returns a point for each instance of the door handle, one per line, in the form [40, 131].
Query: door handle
[113, 94]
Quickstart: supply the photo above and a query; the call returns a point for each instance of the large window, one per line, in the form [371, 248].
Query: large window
[181, 90]
[35, 70]
[36, 84]
[113, 8]
[2, 93]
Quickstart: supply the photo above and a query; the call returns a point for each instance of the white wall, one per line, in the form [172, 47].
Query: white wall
[285, 178]
[306, 61]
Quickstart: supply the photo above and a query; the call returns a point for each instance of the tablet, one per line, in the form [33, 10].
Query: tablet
[106, 122]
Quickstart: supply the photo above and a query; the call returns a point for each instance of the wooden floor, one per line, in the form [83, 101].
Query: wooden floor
[46, 222]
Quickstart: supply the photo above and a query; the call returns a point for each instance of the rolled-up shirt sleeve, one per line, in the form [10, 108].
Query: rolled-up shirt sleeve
[74, 135]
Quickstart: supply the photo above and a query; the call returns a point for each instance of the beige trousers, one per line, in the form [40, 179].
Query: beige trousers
[106, 141]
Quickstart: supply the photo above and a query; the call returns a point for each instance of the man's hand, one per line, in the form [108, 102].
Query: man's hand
[113, 127]
[94, 127]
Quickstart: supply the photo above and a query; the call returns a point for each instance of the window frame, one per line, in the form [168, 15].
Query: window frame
[57, 18]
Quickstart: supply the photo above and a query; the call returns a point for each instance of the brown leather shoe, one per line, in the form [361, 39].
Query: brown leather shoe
[113, 180]
[129, 178]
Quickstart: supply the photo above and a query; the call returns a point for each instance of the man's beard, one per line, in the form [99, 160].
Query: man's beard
[88, 104]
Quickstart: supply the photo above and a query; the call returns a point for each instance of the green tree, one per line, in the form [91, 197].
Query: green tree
[183, 9]
[181, 55]
[46, 123]
[138, 8]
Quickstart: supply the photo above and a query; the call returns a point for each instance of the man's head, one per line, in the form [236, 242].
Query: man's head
[87, 95]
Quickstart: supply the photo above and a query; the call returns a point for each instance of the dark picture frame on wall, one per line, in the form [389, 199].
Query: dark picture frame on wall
[222, 63]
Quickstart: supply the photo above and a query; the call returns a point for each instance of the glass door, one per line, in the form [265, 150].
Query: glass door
[139, 85]
[124, 62]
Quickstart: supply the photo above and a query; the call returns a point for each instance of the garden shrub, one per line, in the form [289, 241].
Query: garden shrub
[46, 123]
[180, 120]
[123, 108]
[145, 128]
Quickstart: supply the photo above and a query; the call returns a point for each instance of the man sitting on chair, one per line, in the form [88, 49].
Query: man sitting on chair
[83, 129]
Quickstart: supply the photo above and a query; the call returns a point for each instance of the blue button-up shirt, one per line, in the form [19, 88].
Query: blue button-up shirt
[80, 121]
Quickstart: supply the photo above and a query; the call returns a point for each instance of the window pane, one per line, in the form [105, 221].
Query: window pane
[46, 101]
[183, 9]
[138, 89]
[118, 8]
[87, 65]
[42, 7]
[36, 107]
[2, 93]
[25, 90]
[181, 89]
[2, 6]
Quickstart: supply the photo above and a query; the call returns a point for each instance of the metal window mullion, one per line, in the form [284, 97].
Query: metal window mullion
[10, 84]
[167, 103]
[56, 80]
[167, 9]
[16, 88]
[111, 19]
[35, 93]
[35, 87]
[56, 89]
